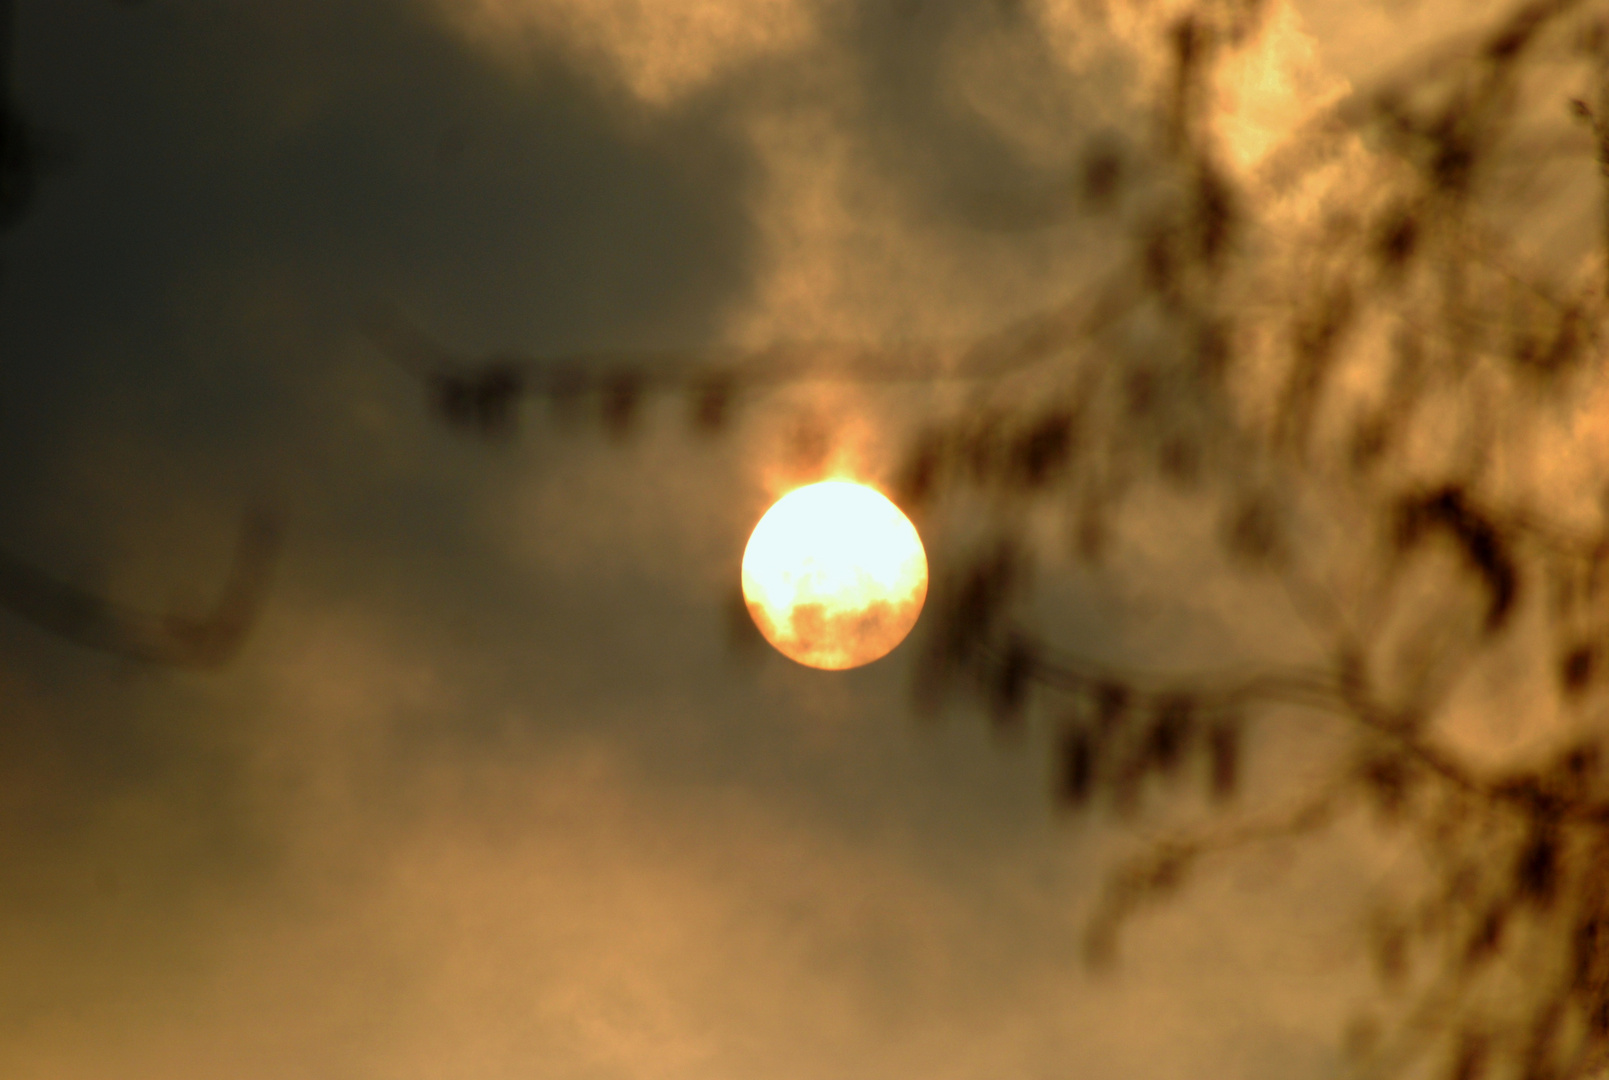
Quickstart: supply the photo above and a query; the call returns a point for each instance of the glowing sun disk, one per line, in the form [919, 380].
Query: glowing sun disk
[834, 575]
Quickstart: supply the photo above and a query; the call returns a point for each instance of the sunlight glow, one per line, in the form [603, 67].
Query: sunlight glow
[834, 575]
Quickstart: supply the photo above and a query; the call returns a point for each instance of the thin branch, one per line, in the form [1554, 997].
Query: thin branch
[1341, 694]
[96, 623]
[481, 392]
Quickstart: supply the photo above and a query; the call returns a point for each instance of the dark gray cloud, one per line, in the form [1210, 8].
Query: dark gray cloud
[486, 794]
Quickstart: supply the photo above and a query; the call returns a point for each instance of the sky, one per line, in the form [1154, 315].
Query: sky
[490, 792]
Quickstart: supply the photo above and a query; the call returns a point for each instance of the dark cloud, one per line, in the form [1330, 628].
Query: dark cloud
[484, 792]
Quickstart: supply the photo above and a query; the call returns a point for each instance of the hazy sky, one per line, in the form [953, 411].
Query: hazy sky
[488, 794]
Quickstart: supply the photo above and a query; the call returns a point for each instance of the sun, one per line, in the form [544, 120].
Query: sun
[834, 575]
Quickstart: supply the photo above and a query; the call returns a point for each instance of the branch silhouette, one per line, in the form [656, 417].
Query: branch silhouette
[207, 642]
[481, 395]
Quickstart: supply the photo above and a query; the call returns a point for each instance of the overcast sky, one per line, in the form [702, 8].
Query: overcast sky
[488, 793]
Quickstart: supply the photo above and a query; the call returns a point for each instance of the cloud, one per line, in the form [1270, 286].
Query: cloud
[659, 53]
[484, 796]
